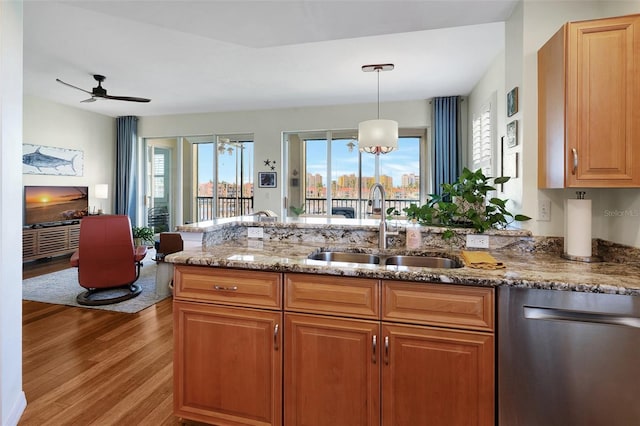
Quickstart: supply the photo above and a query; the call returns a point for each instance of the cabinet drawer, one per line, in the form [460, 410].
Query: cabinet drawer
[228, 286]
[357, 297]
[439, 304]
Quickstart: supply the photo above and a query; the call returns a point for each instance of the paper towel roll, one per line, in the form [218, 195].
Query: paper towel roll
[577, 228]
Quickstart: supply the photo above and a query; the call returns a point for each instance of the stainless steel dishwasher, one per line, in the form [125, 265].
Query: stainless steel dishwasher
[568, 358]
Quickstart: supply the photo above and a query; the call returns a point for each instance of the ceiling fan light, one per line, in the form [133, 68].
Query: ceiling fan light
[378, 136]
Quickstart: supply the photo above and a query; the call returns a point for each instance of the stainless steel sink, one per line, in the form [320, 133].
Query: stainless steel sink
[392, 260]
[422, 261]
[340, 256]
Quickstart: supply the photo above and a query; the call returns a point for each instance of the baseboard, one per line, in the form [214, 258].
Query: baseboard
[18, 408]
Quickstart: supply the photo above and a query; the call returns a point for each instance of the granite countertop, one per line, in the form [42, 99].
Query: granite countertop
[523, 269]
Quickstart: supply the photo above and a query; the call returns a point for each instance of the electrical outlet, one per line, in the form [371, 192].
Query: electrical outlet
[477, 241]
[256, 244]
[544, 210]
[255, 232]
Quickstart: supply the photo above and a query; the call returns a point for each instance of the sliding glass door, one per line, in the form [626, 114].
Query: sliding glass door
[224, 172]
[336, 177]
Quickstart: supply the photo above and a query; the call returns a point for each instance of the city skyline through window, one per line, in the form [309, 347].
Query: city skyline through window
[352, 174]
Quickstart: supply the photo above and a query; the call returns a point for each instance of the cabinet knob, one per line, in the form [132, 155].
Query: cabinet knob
[575, 161]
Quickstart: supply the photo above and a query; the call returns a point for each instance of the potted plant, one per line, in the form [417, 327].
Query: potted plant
[464, 204]
[142, 235]
[297, 211]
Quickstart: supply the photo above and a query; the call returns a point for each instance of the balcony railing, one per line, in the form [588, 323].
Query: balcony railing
[227, 207]
[319, 205]
[230, 206]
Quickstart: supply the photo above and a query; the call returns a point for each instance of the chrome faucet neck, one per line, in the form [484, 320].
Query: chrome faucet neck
[382, 237]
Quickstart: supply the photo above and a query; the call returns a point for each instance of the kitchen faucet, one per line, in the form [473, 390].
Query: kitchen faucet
[384, 233]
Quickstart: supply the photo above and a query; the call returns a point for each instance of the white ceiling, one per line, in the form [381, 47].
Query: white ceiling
[204, 56]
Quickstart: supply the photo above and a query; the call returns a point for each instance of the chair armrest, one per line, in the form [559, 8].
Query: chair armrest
[75, 259]
[139, 253]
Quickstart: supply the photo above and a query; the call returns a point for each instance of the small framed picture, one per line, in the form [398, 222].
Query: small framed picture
[511, 166]
[267, 179]
[512, 134]
[512, 102]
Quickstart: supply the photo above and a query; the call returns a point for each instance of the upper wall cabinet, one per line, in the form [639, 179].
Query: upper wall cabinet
[589, 105]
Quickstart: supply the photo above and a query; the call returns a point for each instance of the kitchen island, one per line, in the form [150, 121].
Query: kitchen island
[529, 263]
[265, 335]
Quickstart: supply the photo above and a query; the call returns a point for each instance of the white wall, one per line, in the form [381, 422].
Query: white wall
[541, 21]
[51, 124]
[12, 398]
[267, 127]
[616, 212]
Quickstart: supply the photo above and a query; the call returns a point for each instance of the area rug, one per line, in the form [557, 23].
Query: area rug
[62, 287]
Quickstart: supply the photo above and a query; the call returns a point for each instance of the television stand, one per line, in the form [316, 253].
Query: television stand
[38, 243]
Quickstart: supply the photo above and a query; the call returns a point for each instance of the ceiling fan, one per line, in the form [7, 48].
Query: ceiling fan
[101, 93]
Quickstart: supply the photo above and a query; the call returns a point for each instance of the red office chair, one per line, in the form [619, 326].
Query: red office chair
[107, 259]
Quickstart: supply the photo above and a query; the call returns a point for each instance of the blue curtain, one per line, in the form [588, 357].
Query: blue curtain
[126, 148]
[446, 141]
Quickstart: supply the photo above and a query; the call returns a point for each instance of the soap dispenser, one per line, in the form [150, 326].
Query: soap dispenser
[414, 236]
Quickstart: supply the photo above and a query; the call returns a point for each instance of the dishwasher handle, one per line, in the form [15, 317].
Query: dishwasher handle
[531, 312]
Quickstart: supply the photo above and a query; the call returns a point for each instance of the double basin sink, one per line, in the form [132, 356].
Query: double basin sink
[384, 260]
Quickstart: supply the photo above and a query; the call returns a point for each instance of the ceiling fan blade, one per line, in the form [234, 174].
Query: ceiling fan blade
[91, 99]
[71, 85]
[126, 98]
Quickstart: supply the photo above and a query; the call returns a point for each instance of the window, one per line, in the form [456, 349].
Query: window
[224, 178]
[337, 177]
[482, 139]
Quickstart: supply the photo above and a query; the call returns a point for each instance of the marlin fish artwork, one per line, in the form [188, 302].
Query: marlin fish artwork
[43, 161]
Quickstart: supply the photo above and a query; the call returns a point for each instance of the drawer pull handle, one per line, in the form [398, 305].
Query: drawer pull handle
[223, 288]
[375, 343]
[276, 329]
[386, 350]
[575, 161]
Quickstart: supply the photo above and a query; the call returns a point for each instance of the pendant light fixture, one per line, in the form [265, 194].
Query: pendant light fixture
[378, 136]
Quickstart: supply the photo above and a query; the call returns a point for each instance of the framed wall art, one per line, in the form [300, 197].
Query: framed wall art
[512, 102]
[512, 134]
[49, 160]
[267, 179]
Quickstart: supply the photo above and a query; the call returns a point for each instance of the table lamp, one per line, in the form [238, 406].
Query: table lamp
[101, 193]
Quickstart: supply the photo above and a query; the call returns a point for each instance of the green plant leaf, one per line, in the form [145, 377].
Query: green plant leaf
[498, 201]
[501, 179]
[521, 218]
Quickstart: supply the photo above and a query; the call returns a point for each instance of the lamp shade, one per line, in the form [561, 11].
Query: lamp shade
[102, 191]
[378, 136]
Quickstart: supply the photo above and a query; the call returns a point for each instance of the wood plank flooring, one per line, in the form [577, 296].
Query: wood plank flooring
[94, 367]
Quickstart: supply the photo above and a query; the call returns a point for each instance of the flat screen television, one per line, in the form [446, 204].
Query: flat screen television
[55, 205]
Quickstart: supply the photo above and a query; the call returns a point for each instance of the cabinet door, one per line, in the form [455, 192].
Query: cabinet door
[603, 103]
[332, 375]
[437, 377]
[227, 365]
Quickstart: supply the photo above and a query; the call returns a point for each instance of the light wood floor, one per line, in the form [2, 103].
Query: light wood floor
[94, 367]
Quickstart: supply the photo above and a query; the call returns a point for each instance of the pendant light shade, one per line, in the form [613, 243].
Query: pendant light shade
[378, 136]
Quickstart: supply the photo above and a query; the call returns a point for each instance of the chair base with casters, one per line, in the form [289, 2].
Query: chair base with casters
[125, 292]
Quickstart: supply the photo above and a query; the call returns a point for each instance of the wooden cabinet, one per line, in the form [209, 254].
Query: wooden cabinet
[227, 346]
[589, 105]
[352, 351]
[425, 356]
[332, 374]
[436, 368]
[437, 377]
[48, 242]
